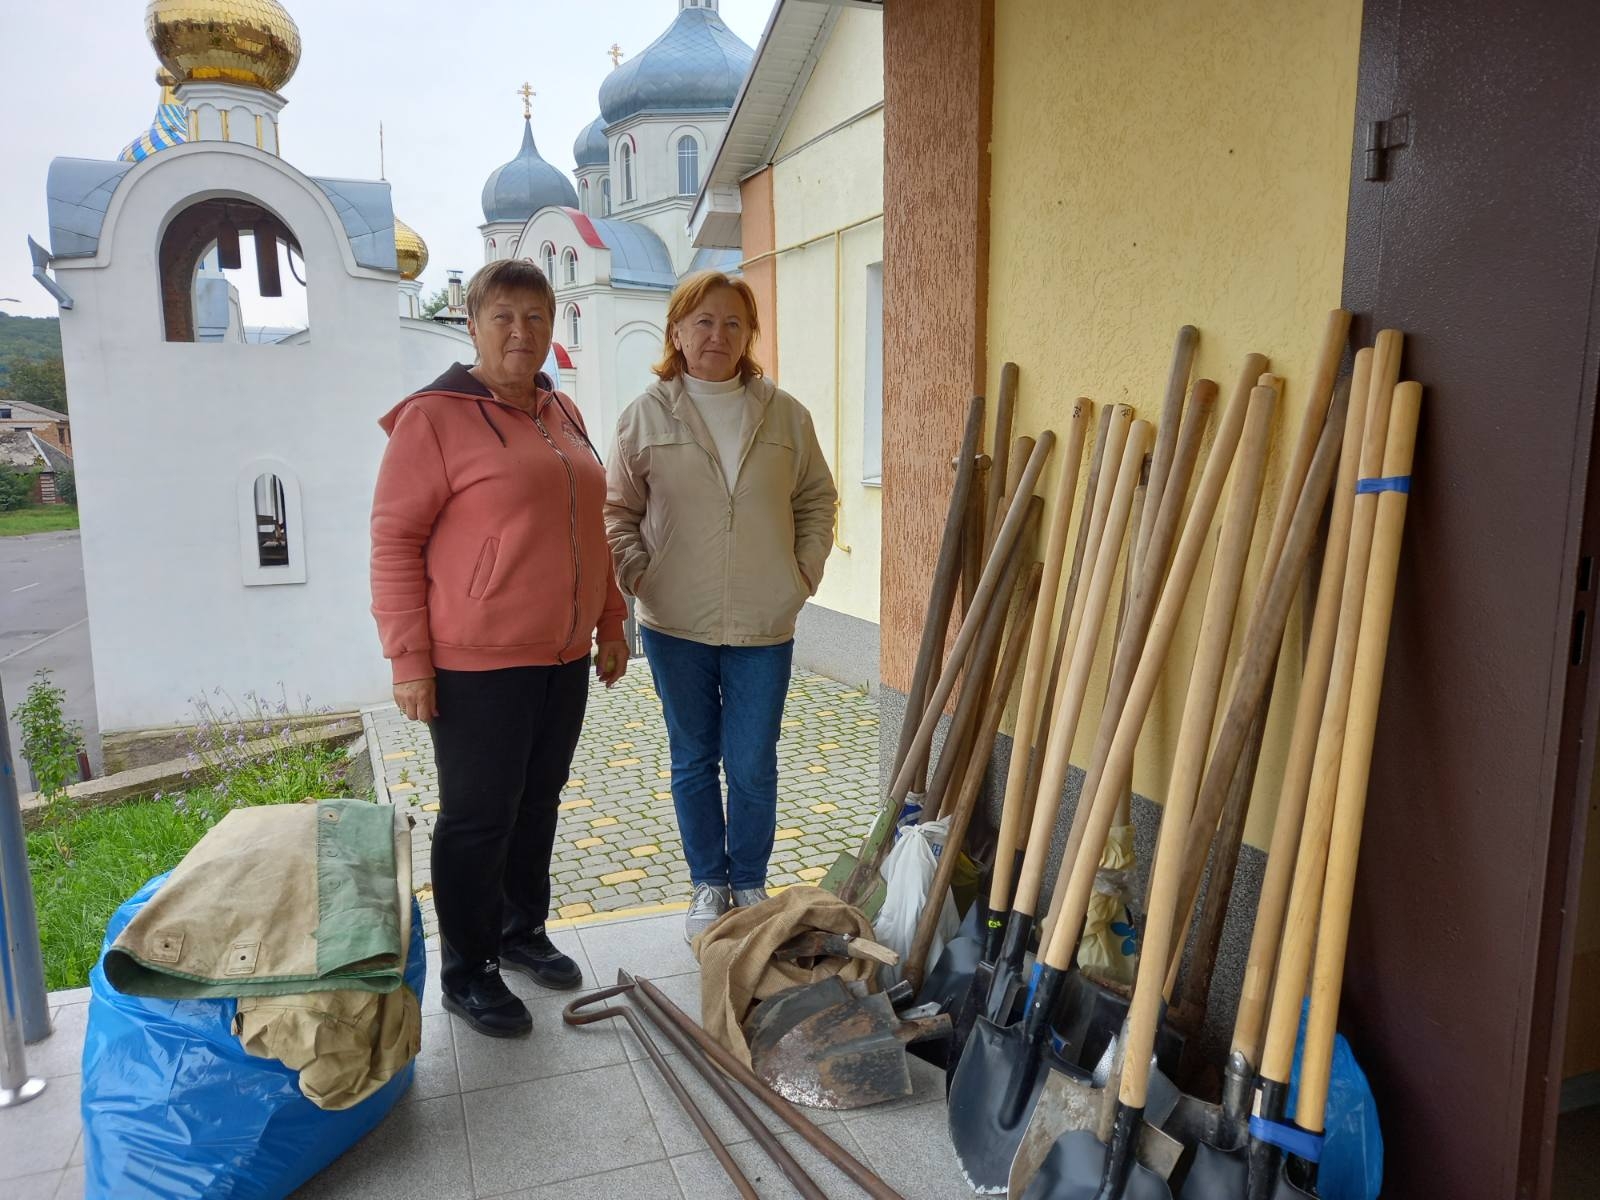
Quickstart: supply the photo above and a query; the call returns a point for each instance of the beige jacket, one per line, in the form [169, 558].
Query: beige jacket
[713, 566]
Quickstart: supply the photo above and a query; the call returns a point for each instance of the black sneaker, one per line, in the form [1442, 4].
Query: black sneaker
[536, 957]
[488, 1005]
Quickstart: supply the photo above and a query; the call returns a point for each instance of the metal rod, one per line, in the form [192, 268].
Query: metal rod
[572, 1016]
[787, 1163]
[792, 1116]
[16, 1085]
[19, 926]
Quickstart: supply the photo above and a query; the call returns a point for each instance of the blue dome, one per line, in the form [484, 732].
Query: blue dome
[170, 127]
[520, 188]
[591, 150]
[698, 63]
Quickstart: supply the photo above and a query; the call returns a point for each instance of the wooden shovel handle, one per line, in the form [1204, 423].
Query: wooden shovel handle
[1194, 732]
[941, 598]
[1075, 686]
[972, 781]
[1355, 764]
[1004, 409]
[1165, 451]
[1147, 594]
[1038, 648]
[1305, 897]
[1286, 829]
[1010, 529]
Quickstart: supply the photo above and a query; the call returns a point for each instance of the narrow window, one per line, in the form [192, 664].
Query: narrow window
[605, 196]
[569, 265]
[688, 166]
[573, 326]
[547, 255]
[625, 156]
[272, 523]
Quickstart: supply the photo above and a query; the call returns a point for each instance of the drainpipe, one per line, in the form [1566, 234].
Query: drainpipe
[22, 997]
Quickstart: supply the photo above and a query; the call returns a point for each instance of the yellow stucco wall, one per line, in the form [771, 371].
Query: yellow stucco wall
[1158, 164]
[818, 188]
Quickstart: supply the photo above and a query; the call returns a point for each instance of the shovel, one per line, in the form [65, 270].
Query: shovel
[863, 875]
[1319, 908]
[807, 947]
[1067, 1100]
[951, 978]
[821, 1046]
[1083, 634]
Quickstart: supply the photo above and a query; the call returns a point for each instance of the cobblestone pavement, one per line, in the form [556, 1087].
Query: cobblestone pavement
[617, 847]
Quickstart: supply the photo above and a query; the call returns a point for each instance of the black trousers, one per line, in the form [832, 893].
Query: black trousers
[503, 742]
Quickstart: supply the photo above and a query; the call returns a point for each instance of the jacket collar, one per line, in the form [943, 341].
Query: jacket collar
[758, 394]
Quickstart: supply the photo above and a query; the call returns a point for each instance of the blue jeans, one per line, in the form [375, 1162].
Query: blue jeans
[722, 704]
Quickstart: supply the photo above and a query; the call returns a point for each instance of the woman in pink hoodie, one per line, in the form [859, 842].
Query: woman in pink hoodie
[491, 582]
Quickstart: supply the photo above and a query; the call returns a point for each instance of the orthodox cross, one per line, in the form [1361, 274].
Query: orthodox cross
[527, 93]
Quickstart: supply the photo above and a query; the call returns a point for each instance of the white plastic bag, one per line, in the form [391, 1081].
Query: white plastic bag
[908, 871]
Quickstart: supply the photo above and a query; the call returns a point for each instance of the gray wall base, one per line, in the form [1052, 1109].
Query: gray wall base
[837, 645]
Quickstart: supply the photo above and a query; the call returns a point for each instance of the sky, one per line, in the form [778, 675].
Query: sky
[443, 79]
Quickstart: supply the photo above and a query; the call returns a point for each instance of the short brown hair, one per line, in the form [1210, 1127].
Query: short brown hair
[508, 275]
[688, 296]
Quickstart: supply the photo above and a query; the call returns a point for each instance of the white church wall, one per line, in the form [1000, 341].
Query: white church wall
[163, 437]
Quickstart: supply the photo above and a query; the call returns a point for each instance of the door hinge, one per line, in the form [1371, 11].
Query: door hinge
[1382, 137]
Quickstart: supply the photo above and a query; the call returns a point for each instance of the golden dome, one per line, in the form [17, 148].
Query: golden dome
[253, 42]
[410, 251]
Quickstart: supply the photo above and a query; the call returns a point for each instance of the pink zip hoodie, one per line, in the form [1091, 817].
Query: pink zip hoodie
[488, 537]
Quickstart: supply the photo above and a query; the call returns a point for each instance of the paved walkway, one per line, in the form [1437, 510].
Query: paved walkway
[617, 848]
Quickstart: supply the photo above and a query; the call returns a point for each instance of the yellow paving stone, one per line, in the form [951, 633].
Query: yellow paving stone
[399, 754]
[574, 783]
[617, 877]
[402, 787]
[644, 851]
[623, 762]
[867, 721]
[827, 745]
[434, 807]
[602, 822]
[817, 769]
[622, 745]
[790, 724]
[811, 872]
[662, 795]
[824, 712]
[576, 802]
[589, 842]
[633, 725]
[424, 893]
[824, 807]
[575, 910]
[663, 774]
[785, 835]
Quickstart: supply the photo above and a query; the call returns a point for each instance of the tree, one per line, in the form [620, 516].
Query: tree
[435, 302]
[16, 488]
[42, 382]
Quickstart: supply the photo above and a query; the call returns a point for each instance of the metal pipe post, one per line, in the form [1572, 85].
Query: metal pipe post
[19, 925]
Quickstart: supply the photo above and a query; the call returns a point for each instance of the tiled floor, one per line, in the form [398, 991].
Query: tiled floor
[569, 1113]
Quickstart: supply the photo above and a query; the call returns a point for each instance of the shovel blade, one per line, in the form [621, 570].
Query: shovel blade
[1069, 1102]
[992, 1094]
[1075, 1167]
[1217, 1174]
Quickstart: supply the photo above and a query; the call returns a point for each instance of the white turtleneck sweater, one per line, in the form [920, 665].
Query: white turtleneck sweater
[721, 407]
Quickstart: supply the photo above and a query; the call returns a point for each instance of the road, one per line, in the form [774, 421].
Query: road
[44, 622]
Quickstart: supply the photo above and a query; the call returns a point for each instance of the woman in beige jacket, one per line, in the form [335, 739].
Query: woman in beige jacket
[719, 508]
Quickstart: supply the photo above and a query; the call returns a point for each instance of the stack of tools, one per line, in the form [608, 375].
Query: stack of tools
[1063, 1079]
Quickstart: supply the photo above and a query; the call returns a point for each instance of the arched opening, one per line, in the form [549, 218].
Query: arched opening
[210, 294]
[547, 260]
[574, 326]
[271, 527]
[605, 196]
[272, 522]
[688, 166]
[569, 265]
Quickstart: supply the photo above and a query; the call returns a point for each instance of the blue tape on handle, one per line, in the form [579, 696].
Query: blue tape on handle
[1033, 986]
[1298, 1142]
[1388, 483]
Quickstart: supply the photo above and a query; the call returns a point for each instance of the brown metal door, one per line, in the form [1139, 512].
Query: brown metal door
[1479, 240]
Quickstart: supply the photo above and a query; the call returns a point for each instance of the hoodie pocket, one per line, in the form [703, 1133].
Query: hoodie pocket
[484, 571]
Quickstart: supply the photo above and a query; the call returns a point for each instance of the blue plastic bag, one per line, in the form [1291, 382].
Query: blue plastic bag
[1351, 1167]
[174, 1108]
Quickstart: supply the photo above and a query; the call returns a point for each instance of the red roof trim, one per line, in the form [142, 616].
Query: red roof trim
[585, 228]
[563, 359]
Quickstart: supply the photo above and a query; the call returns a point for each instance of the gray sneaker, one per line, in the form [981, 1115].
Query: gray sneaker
[709, 903]
[748, 897]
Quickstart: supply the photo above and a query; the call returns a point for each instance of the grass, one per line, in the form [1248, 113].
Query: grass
[41, 518]
[85, 864]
